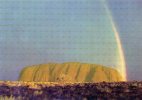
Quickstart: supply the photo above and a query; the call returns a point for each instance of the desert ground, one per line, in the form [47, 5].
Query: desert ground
[20, 90]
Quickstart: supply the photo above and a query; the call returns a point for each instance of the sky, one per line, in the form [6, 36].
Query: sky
[128, 16]
[42, 31]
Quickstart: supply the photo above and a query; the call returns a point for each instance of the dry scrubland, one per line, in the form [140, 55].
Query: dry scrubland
[18, 90]
[69, 81]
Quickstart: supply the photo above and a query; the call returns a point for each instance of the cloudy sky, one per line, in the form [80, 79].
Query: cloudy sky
[42, 31]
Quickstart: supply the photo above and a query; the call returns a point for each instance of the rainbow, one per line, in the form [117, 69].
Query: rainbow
[122, 64]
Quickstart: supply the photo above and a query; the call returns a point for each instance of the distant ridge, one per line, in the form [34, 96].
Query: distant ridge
[69, 72]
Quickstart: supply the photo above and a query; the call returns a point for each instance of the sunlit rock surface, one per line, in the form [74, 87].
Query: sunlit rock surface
[69, 72]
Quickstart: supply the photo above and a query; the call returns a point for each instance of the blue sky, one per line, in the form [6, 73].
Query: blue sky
[128, 16]
[42, 31]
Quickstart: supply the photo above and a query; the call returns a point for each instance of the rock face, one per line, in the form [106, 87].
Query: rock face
[69, 72]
